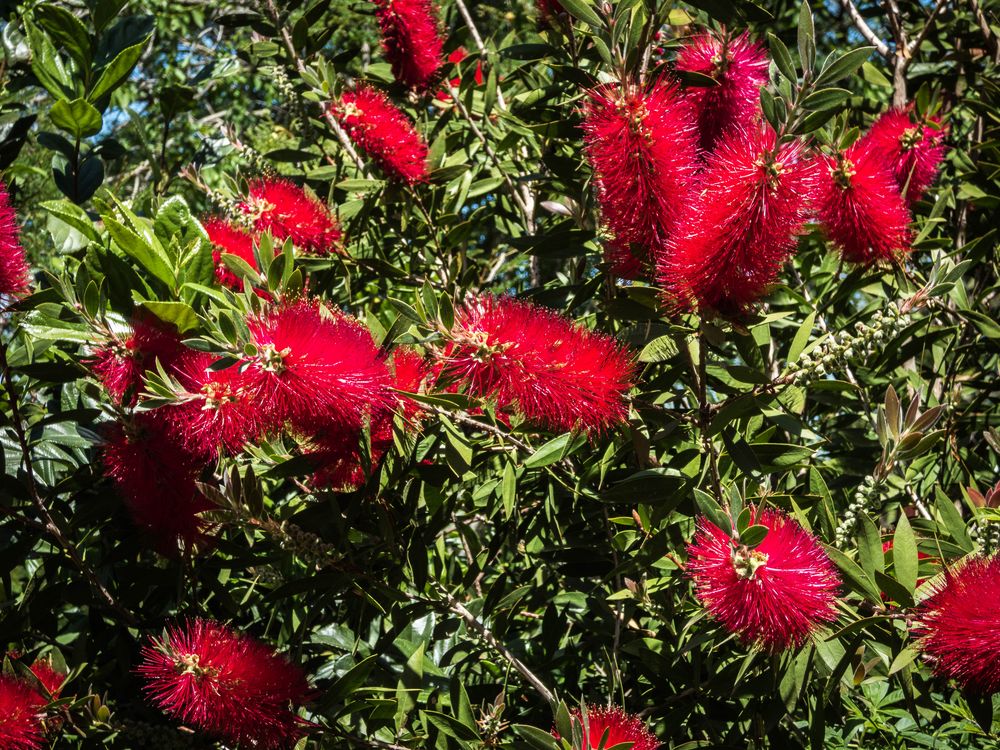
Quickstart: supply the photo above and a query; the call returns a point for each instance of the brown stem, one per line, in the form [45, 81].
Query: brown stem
[473, 624]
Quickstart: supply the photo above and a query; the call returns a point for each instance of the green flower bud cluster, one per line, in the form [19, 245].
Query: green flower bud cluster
[304, 544]
[986, 535]
[842, 347]
[864, 501]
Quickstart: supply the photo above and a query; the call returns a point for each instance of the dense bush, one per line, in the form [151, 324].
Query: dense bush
[499, 376]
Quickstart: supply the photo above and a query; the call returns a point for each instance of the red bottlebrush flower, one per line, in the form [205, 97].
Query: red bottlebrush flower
[620, 726]
[15, 276]
[912, 150]
[50, 678]
[643, 149]
[285, 210]
[335, 448]
[773, 596]
[217, 410]
[316, 363]
[959, 625]
[558, 374]
[234, 240]
[121, 363]
[20, 715]
[384, 133]
[156, 478]
[860, 207]
[739, 68]
[742, 226]
[225, 683]
[409, 373]
[411, 39]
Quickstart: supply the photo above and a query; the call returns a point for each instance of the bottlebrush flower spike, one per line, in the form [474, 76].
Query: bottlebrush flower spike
[860, 207]
[409, 373]
[912, 150]
[20, 715]
[15, 276]
[773, 596]
[643, 147]
[959, 625]
[620, 726]
[383, 132]
[50, 678]
[411, 39]
[557, 373]
[121, 363]
[225, 683]
[739, 68]
[156, 478]
[314, 362]
[742, 227]
[335, 448]
[227, 237]
[217, 409]
[285, 210]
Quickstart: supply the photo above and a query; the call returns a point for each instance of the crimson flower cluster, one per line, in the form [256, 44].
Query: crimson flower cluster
[643, 148]
[284, 209]
[225, 683]
[742, 227]
[23, 706]
[411, 39]
[383, 132]
[774, 596]
[555, 373]
[694, 183]
[739, 68]
[315, 369]
[15, 277]
[959, 625]
[620, 727]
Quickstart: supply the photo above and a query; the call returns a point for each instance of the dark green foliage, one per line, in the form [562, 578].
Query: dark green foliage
[473, 545]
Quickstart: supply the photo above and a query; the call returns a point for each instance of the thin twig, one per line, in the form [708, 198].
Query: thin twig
[300, 66]
[473, 624]
[866, 31]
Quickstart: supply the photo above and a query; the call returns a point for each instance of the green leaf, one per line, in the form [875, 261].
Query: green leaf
[782, 58]
[146, 255]
[549, 453]
[953, 522]
[801, 337]
[711, 509]
[904, 554]
[177, 313]
[117, 71]
[350, 681]
[844, 66]
[862, 582]
[870, 547]
[537, 738]
[74, 216]
[825, 99]
[874, 76]
[806, 37]
[508, 489]
[77, 117]
[68, 31]
[754, 535]
[584, 11]
[659, 349]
